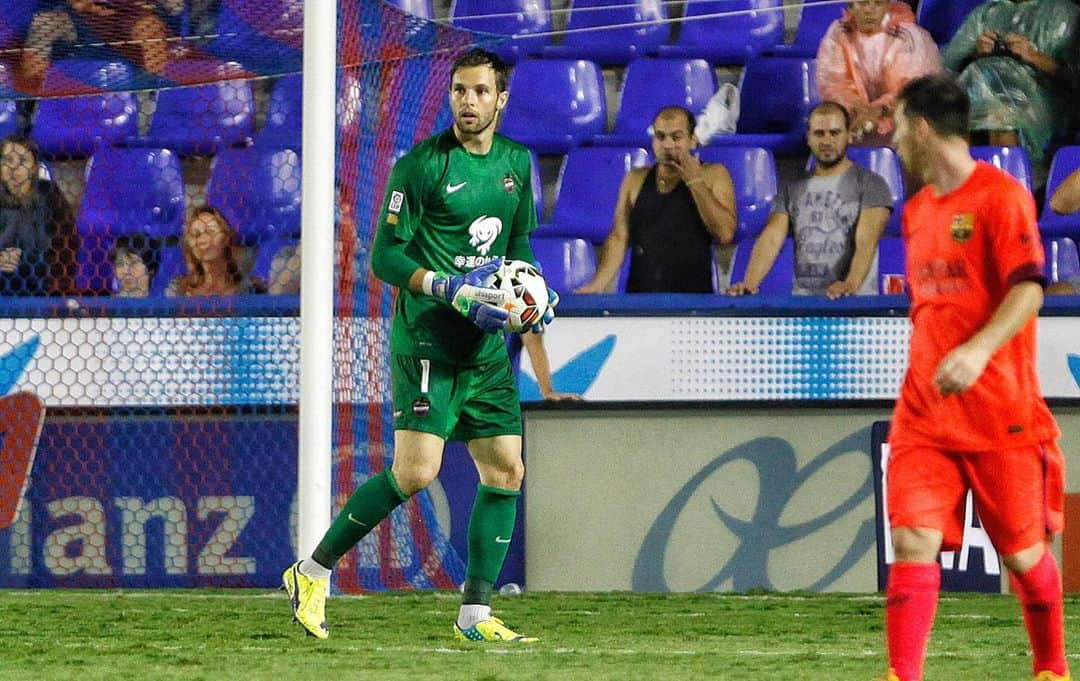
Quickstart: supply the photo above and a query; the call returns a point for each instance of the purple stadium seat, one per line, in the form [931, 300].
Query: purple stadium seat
[1066, 160]
[891, 259]
[813, 23]
[588, 189]
[258, 191]
[567, 263]
[170, 265]
[201, 119]
[417, 8]
[76, 126]
[942, 17]
[1013, 160]
[15, 20]
[651, 84]
[727, 31]
[753, 172]
[1062, 261]
[263, 35]
[775, 98]
[267, 251]
[587, 35]
[557, 104]
[284, 115]
[781, 277]
[127, 191]
[518, 18]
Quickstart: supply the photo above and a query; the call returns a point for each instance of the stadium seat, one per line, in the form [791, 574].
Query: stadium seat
[775, 98]
[588, 189]
[127, 191]
[727, 31]
[202, 119]
[567, 263]
[15, 20]
[417, 8]
[891, 259]
[73, 127]
[170, 265]
[1062, 261]
[781, 277]
[814, 21]
[651, 84]
[942, 17]
[557, 104]
[284, 115]
[9, 117]
[265, 253]
[517, 18]
[587, 35]
[1013, 160]
[753, 173]
[258, 191]
[266, 36]
[1066, 160]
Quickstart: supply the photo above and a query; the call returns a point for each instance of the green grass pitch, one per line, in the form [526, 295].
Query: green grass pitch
[247, 634]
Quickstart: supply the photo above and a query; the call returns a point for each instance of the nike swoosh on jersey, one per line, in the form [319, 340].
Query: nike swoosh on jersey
[451, 188]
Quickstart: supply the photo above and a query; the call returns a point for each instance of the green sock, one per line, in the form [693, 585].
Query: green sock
[368, 505]
[492, 522]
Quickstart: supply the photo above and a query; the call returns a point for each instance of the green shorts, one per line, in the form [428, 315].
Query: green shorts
[455, 402]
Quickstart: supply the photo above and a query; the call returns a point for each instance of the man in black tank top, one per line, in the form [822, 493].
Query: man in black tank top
[668, 215]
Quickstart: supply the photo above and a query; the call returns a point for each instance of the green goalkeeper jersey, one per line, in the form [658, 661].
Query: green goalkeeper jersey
[453, 211]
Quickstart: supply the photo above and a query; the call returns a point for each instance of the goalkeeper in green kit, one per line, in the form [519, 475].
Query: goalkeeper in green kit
[455, 206]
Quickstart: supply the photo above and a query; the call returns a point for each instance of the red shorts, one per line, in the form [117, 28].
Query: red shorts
[1019, 493]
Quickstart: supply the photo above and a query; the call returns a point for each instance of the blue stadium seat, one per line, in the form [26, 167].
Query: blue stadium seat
[265, 253]
[518, 18]
[266, 36]
[884, 162]
[587, 35]
[813, 23]
[753, 173]
[9, 117]
[1066, 160]
[567, 263]
[557, 104]
[170, 265]
[781, 277]
[588, 189]
[127, 191]
[1013, 160]
[258, 191]
[744, 28]
[651, 84]
[891, 259]
[942, 17]
[75, 126]
[15, 20]
[775, 98]
[284, 115]
[1062, 260]
[202, 119]
[418, 8]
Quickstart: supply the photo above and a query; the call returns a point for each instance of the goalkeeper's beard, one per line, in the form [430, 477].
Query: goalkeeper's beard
[477, 129]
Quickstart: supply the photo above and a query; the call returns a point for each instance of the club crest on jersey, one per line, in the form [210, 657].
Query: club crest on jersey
[483, 231]
[508, 183]
[962, 227]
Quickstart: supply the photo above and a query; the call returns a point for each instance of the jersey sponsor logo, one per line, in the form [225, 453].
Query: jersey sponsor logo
[469, 262]
[451, 188]
[962, 227]
[396, 199]
[508, 183]
[483, 231]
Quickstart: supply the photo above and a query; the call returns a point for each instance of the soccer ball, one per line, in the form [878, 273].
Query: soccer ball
[528, 293]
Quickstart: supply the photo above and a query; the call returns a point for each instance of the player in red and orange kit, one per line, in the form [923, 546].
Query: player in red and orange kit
[970, 412]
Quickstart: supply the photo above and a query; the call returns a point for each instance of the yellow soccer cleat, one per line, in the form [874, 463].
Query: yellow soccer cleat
[891, 676]
[1051, 676]
[491, 629]
[308, 599]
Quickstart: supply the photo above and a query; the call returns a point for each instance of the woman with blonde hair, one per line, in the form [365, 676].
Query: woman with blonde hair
[210, 253]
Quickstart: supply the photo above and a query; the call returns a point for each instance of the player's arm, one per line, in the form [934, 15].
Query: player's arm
[868, 231]
[766, 247]
[613, 250]
[1066, 198]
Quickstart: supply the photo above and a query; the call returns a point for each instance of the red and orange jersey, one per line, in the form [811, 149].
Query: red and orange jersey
[965, 251]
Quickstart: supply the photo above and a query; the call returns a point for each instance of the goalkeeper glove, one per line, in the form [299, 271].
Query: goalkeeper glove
[468, 294]
[549, 312]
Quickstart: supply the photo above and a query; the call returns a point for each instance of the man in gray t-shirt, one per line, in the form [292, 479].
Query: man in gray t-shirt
[836, 216]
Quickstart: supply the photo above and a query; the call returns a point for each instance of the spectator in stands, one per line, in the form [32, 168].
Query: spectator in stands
[668, 215]
[1066, 200]
[865, 58]
[836, 215]
[210, 253]
[1010, 57]
[134, 258]
[285, 271]
[136, 29]
[38, 239]
[538, 358]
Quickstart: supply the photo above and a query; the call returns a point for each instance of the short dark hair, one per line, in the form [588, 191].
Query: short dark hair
[480, 57]
[829, 106]
[691, 119]
[939, 100]
[141, 245]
